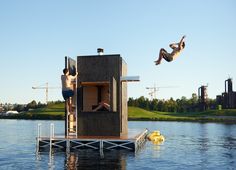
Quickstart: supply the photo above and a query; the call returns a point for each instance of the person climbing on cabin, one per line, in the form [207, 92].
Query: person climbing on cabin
[176, 47]
[67, 84]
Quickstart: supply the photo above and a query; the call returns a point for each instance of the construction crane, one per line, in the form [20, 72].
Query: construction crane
[46, 87]
[154, 89]
[152, 92]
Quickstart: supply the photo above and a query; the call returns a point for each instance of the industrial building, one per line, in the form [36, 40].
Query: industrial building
[228, 98]
[202, 98]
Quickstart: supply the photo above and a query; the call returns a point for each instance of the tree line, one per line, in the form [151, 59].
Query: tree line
[26, 107]
[179, 105]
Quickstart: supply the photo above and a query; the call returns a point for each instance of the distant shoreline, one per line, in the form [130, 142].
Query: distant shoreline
[218, 116]
[56, 112]
[206, 119]
[198, 120]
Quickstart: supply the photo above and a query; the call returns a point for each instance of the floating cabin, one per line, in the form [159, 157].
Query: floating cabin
[100, 81]
[88, 124]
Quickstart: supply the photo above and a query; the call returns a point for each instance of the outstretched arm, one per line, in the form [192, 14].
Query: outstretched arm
[74, 77]
[181, 42]
[182, 39]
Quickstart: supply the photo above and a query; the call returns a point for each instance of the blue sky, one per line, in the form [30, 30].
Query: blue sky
[36, 35]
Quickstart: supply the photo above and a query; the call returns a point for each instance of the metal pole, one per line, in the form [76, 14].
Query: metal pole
[65, 118]
[67, 146]
[101, 149]
[50, 144]
[38, 137]
[76, 108]
[66, 127]
[46, 93]
[226, 81]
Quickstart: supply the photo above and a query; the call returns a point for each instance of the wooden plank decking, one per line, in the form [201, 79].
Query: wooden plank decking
[47, 143]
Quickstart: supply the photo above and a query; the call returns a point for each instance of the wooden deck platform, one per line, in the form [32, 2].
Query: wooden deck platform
[73, 143]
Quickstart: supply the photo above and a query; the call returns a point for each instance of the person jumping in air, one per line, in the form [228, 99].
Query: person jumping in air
[176, 47]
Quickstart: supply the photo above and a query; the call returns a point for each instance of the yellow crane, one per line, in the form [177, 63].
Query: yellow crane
[46, 87]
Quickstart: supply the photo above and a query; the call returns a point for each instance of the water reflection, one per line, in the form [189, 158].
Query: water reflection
[90, 159]
[229, 145]
[187, 146]
[71, 161]
[215, 144]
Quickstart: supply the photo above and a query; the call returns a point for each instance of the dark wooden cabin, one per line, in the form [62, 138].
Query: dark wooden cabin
[100, 81]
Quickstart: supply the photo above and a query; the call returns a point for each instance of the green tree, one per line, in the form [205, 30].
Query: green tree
[141, 102]
[162, 106]
[153, 104]
[19, 108]
[32, 105]
[131, 102]
[182, 104]
[171, 105]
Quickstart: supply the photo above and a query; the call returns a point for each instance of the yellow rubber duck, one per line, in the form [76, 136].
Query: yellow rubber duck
[156, 137]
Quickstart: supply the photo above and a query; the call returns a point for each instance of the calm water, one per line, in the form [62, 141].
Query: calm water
[187, 146]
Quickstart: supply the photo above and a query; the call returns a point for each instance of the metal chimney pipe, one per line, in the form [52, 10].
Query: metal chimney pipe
[100, 51]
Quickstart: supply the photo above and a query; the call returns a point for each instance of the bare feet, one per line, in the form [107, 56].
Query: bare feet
[157, 62]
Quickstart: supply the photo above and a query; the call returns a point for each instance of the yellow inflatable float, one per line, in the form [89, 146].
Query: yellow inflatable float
[156, 137]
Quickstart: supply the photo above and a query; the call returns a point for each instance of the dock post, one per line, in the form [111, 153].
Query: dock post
[51, 136]
[67, 146]
[50, 143]
[101, 149]
[38, 138]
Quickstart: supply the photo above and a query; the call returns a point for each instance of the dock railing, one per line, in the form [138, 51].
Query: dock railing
[141, 139]
[38, 137]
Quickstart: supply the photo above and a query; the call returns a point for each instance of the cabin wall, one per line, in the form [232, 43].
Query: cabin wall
[103, 73]
[124, 107]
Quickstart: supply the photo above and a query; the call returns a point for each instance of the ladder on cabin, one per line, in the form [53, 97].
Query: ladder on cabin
[72, 116]
[71, 109]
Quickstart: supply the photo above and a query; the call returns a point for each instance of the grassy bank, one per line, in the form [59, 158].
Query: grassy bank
[50, 112]
[206, 116]
[56, 112]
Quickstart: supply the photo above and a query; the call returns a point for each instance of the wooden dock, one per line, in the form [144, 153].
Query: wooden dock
[100, 143]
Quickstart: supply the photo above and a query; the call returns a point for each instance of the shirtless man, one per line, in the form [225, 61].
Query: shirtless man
[67, 82]
[176, 47]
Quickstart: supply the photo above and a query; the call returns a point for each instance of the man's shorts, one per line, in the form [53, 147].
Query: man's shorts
[168, 57]
[67, 94]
